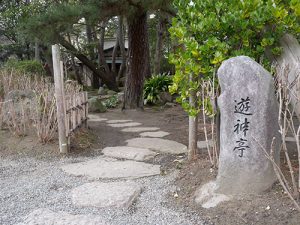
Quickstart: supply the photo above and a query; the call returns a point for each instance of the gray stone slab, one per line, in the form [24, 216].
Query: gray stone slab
[118, 121]
[203, 144]
[126, 152]
[48, 217]
[139, 129]
[249, 114]
[109, 168]
[98, 194]
[157, 134]
[130, 124]
[158, 144]
[95, 118]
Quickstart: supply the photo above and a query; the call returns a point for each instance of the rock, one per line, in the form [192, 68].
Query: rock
[125, 152]
[130, 124]
[170, 105]
[47, 217]
[95, 118]
[118, 121]
[113, 194]
[249, 113]
[208, 198]
[111, 92]
[157, 134]
[165, 97]
[120, 96]
[109, 168]
[139, 129]
[102, 91]
[96, 106]
[158, 144]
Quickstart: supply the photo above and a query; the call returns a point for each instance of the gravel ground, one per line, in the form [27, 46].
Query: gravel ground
[27, 184]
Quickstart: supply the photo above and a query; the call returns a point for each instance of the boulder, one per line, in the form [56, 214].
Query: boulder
[249, 112]
[102, 91]
[96, 106]
[165, 97]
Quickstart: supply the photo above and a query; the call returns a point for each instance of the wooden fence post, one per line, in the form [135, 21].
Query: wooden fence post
[59, 94]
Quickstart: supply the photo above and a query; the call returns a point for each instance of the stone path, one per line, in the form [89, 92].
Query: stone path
[119, 162]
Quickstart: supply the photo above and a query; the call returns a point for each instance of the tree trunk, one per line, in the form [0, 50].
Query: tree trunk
[121, 38]
[159, 45]
[138, 61]
[193, 126]
[109, 81]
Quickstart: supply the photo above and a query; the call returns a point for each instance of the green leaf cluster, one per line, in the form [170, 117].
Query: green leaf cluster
[154, 86]
[25, 66]
[206, 32]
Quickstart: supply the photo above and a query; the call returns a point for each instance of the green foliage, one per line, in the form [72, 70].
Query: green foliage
[155, 85]
[207, 32]
[25, 66]
[112, 102]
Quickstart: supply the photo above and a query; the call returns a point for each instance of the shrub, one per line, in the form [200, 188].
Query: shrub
[112, 102]
[155, 85]
[25, 66]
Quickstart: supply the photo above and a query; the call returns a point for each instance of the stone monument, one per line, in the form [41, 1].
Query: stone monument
[249, 121]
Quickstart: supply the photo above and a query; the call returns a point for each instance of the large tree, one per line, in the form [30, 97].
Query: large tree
[58, 19]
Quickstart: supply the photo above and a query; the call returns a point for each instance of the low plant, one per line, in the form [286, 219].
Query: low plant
[112, 102]
[25, 66]
[154, 86]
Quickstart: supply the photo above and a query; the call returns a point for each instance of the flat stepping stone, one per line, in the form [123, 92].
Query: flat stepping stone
[131, 124]
[158, 144]
[139, 129]
[157, 134]
[48, 217]
[98, 194]
[203, 144]
[118, 121]
[109, 168]
[94, 118]
[125, 152]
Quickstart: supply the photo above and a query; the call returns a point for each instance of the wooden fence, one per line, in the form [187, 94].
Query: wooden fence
[76, 111]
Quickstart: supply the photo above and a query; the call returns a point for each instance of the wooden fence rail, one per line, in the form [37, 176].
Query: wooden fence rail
[76, 111]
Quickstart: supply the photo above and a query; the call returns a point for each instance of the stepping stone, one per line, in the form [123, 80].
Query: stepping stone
[109, 168]
[139, 129]
[158, 144]
[98, 194]
[94, 118]
[125, 152]
[48, 217]
[118, 121]
[157, 134]
[203, 144]
[131, 124]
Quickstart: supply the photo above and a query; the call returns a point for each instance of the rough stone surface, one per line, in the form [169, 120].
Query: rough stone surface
[109, 168]
[96, 106]
[249, 114]
[203, 144]
[48, 217]
[157, 134]
[125, 152]
[95, 118]
[131, 124]
[207, 196]
[118, 121]
[158, 144]
[113, 194]
[102, 91]
[139, 129]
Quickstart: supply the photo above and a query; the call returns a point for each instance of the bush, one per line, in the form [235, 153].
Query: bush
[155, 85]
[25, 66]
[112, 102]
